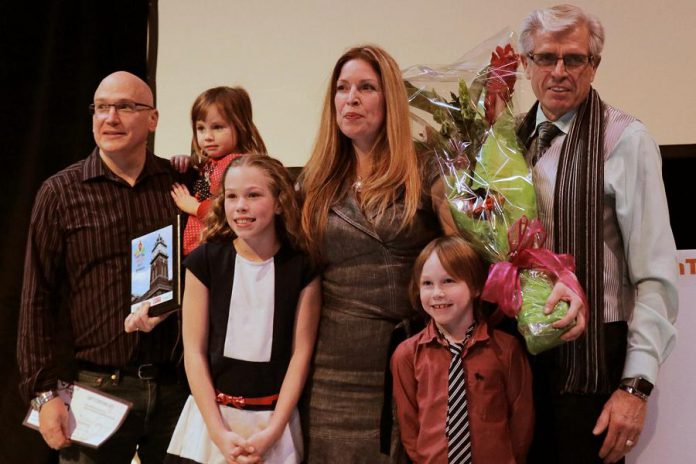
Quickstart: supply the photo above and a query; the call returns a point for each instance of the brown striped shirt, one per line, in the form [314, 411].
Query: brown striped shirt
[77, 258]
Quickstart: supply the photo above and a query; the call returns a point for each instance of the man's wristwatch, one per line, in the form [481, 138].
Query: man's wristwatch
[42, 398]
[637, 386]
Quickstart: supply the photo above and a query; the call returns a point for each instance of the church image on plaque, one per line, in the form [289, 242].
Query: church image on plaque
[155, 273]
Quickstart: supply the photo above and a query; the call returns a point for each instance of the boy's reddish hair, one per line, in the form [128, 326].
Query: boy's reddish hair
[459, 259]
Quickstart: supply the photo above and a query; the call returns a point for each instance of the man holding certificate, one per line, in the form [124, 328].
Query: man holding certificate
[77, 265]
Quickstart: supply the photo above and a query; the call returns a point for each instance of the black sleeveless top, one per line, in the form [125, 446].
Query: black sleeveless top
[213, 264]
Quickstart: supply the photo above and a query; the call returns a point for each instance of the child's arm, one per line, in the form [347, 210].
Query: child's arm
[184, 200]
[206, 205]
[305, 332]
[404, 388]
[195, 336]
[521, 403]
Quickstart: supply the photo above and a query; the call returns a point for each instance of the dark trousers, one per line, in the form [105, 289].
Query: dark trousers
[148, 426]
[564, 422]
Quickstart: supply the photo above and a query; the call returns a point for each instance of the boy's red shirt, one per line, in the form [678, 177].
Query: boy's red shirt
[499, 389]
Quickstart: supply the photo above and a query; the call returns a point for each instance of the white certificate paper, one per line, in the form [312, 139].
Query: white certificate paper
[94, 416]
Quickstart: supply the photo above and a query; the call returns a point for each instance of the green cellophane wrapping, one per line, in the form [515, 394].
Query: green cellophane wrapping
[488, 184]
[532, 323]
[502, 172]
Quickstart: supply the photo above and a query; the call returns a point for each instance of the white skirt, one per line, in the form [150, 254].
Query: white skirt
[191, 439]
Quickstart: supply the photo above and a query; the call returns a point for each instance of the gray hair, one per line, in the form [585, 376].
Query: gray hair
[561, 19]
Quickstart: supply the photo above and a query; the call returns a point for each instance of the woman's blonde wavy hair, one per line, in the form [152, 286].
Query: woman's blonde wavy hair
[287, 223]
[395, 167]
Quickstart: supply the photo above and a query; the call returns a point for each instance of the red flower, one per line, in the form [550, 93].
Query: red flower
[500, 81]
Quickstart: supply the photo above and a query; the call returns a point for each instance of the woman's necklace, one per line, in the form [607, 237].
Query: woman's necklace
[366, 168]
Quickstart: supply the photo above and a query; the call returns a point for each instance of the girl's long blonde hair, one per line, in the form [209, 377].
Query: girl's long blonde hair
[287, 223]
[234, 105]
[395, 167]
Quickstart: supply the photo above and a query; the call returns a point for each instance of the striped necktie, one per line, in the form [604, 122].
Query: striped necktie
[546, 132]
[458, 437]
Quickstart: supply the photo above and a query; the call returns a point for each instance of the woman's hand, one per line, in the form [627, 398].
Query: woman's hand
[183, 199]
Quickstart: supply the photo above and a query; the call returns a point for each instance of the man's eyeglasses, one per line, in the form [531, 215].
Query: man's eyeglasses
[572, 61]
[103, 109]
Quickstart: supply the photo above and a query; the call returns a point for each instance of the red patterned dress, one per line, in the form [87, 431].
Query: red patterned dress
[204, 188]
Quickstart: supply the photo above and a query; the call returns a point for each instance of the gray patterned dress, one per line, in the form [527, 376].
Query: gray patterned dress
[365, 296]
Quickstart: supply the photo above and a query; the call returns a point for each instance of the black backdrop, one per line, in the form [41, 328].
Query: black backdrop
[679, 173]
[53, 56]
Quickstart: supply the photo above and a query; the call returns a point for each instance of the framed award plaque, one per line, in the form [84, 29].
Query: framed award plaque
[155, 264]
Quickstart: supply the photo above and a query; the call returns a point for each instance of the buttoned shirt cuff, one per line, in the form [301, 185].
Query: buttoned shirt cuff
[43, 380]
[640, 364]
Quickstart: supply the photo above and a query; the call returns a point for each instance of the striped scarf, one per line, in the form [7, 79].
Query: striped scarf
[578, 229]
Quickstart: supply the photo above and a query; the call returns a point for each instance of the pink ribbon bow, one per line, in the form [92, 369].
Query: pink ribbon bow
[526, 238]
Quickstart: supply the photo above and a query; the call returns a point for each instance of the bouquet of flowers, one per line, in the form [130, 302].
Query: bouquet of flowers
[464, 116]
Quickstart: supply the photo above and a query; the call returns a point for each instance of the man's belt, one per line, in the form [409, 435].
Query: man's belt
[163, 372]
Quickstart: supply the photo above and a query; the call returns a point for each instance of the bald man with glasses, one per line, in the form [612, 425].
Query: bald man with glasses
[77, 259]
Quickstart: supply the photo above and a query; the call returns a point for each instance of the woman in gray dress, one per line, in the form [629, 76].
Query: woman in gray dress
[370, 205]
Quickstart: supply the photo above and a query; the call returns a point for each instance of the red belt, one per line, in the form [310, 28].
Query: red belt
[241, 402]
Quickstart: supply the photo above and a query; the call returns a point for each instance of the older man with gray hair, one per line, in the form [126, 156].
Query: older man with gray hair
[601, 197]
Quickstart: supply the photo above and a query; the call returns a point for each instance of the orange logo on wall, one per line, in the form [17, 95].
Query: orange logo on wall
[688, 267]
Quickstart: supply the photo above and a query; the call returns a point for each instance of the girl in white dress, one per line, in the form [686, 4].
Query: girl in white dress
[250, 314]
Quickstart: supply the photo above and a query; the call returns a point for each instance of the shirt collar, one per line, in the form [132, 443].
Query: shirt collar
[432, 335]
[230, 157]
[94, 168]
[563, 123]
